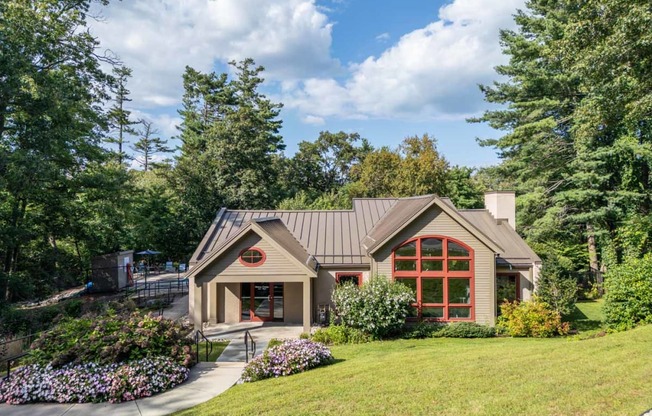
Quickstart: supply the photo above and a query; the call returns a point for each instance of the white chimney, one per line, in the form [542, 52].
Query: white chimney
[502, 205]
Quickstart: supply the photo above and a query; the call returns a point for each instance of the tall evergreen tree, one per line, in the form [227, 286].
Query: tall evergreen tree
[230, 137]
[119, 117]
[148, 145]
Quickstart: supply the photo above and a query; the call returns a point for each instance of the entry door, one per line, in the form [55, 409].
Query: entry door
[262, 301]
[507, 288]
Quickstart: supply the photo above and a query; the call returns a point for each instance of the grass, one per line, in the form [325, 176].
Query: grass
[587, 315]
[218, 347]
[497, 376]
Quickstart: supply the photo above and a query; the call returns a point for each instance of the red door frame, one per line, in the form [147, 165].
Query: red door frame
[252, 312]
[517, 276]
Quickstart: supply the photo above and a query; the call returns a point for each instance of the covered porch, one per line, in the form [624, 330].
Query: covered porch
[225, 299]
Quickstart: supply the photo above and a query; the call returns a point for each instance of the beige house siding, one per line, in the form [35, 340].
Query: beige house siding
[276, 263]
[325, 283]
[293, 303]
[436, 222]
[231, 303]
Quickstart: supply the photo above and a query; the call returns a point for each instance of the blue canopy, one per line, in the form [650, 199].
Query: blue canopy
[149, 252]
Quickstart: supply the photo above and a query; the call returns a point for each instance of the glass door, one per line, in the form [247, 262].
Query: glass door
[261, 301]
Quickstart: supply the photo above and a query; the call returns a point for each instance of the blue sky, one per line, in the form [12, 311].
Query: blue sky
[385, 69]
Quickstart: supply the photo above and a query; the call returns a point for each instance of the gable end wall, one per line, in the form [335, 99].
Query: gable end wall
[276, 264]
[436, 222]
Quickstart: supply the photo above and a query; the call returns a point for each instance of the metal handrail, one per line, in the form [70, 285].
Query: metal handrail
[26, 342]
[248, 339]
[200, 335]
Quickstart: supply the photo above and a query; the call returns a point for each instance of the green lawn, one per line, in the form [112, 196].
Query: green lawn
[498, 376]
[587, 315]
[218, 347]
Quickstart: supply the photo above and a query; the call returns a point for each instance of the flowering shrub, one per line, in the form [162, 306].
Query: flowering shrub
[111, 339]
[531, 319]
[379, 307]
[92, 382]
[292, 356]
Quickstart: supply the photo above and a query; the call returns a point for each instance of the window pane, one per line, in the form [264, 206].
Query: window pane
[252, 256]
[402, 265]
[459, 265]
[431, 247]
[459, 312]
[413, 312]
[459, 291]
[353, 278]
[432, 265]
[432, 290]
[410, 282]
[407, 250]
[430, 312]
[506, 288]
[456, 250]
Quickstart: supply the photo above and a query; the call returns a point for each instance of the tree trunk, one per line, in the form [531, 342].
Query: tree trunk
[593, 256]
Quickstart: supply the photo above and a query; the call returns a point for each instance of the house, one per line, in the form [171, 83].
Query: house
[262, 265]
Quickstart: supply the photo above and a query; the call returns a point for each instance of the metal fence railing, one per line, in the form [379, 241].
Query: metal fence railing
[13, 349]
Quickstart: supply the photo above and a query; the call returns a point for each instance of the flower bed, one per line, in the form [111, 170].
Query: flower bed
[92, 382]
[291, 357]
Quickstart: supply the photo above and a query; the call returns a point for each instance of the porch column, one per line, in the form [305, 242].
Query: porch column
[307, 305]
[212, 302]
[195, 303]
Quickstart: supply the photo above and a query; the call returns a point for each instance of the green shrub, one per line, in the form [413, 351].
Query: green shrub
[274, 342]
[628, 293]
[421, 330]
[464, 330]
[531, 319]
[557, 287]
[111, 339]
[379, 307]
[73, 308]
[340, 334]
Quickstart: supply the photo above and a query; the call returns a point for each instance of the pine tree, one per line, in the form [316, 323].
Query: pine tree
[119, 117]
[148, 145]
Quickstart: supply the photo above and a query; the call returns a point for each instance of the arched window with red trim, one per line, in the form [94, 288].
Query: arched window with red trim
[441, 272]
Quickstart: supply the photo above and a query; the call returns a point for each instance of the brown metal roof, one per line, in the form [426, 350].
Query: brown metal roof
[343, 236]
[333, 237]
[275, 228]
[402, 211]
[514, 249]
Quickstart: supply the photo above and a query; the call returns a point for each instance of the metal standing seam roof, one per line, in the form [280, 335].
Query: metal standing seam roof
[515, 249]
[341, 236]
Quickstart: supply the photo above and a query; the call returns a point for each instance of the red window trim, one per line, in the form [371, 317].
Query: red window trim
[442, 274]
[258, 263]
[339, 274]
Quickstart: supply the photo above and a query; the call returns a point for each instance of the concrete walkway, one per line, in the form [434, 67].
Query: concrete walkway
[262, 333]
[206, 380]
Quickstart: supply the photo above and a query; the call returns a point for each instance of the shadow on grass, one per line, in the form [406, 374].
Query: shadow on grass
[337, 361]
[581, 322]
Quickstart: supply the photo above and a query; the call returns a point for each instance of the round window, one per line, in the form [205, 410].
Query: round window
[252, 257]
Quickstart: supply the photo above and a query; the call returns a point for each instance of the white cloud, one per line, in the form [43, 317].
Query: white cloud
[383, 37]
[430, 73]
[158, 38]
[310, 119]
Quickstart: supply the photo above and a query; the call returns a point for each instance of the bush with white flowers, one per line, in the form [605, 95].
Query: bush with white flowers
[379, 307]
[290, 357]
[92, 382]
